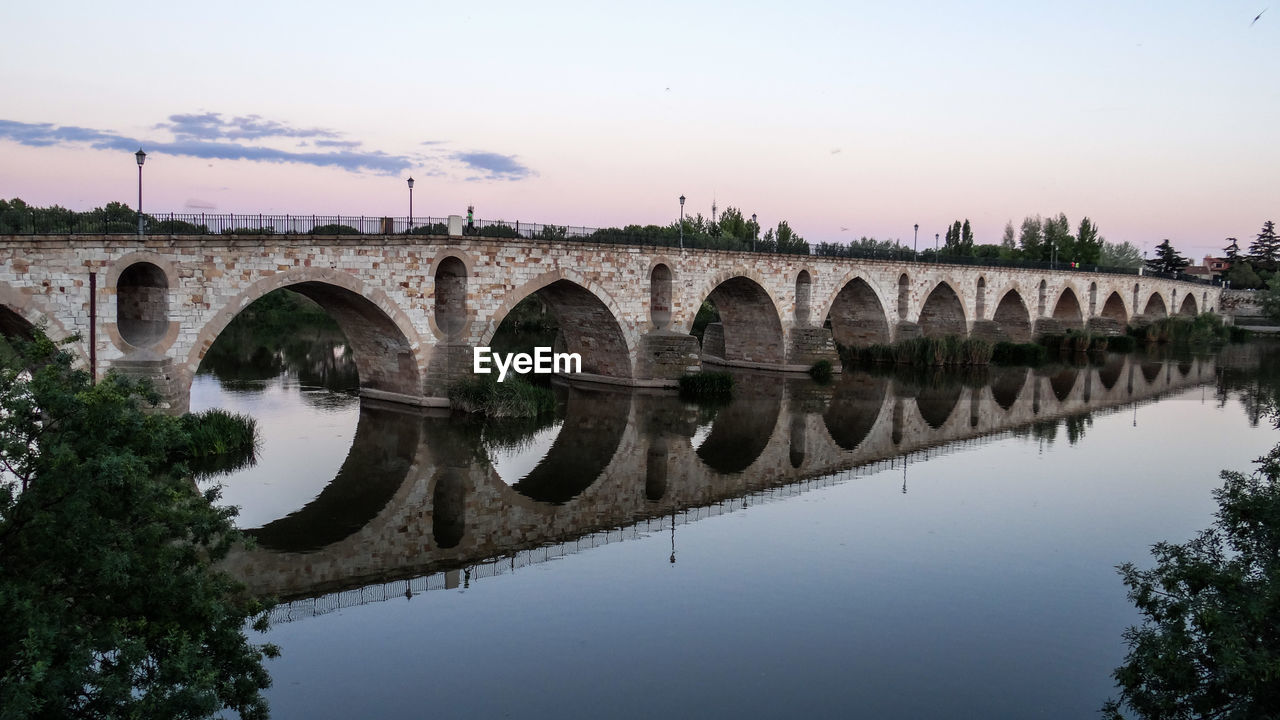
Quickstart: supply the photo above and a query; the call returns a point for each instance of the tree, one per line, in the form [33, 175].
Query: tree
[1088, 243]
[1058, 239]
[1209, 644]
[1008, 243]
[1265, 250]
[1167, 259]
[1032, 238]
[1242, 276]
[1232, 250]
[1120, 255]
[111, 603]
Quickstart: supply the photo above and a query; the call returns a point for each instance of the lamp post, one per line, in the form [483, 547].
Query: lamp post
[935, 246]
[755, 230]
[681, 222]
[915, 243]
[410, 204]
[142, 157]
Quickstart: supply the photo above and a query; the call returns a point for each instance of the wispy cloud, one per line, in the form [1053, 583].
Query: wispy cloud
[494, 165]
[213, 137]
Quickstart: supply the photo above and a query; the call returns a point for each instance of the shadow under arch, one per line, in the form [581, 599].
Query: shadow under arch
[1007, 384]
[1067, 310]
[1013, 317]
[855, 407]
[594, 422]
[857, 317]
[1156, 306]
[13, 325]
[942, 313]
[1113, 309]
[381, 337]
[750, 322]
[742, 429]
[382, 452]
[588, 324]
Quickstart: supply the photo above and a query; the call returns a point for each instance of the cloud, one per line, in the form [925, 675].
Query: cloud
[210, 136]
[198, 204]
[494, 165]
[186, 144]
[211, 126]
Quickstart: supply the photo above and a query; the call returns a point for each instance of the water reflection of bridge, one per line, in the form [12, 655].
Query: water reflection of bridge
[418, 497]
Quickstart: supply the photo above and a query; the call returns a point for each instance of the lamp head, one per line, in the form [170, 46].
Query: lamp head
[410, 183]
[681, 201]
[142, 157]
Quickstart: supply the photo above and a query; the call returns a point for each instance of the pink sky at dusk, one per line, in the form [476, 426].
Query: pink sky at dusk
[1155, 122]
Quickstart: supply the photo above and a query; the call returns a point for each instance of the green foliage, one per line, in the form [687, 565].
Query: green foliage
[821, 371]
[219, 432]
[1120, 255]
[1201, 330]
[959, 239]
[923, 352]
[512, 398]
[1088, 243]
[1167, 259]
[334, 229]
[1031, 239]
[1058, 239]
[1264, 251]
[707, 314]
[111, 602]
[706, 385]
[1241, 276]
[1019, 354]
[1209, 643]
[1121, 343]
[430, 229]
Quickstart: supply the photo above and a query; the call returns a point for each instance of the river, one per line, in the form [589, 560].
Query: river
[883, 546]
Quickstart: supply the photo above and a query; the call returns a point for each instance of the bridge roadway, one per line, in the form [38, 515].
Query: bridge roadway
[418, 495]
[413, 307]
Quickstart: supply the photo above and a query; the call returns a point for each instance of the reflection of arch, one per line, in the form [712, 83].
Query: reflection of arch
[1063, 382]
[449, 508]
[1067, 310]
[938, 402]
[1013, 318]
[856, 316]
[451, 297]
[660, 296]
[797, 441]
[942, 313]
[656, 469]
[381, 336]
[1188, 306]
[375, 468]
[1110, 372]
[1151, 371]
[854, 408]
[1113, 309]
[587, 319]
[804, 285]
[741, 430]
[1156, 306]
[594, 423]
[1007, 384]
[752, 328]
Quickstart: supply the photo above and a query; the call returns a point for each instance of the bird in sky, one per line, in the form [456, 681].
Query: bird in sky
[1255, 19]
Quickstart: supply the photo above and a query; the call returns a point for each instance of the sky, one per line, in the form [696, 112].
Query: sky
[847, 119]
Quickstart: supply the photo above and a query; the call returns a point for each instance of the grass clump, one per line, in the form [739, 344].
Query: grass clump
[513, 398]
[821, 371]
[706, 385]
[1203, 329]
[219, 441]
[924, 352]
[1024, 354]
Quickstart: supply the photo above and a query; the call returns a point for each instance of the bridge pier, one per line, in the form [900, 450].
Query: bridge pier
[666, 355]
[907, 331]
[175, 397]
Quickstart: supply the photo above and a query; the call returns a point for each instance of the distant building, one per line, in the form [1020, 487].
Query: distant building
[1215, 266]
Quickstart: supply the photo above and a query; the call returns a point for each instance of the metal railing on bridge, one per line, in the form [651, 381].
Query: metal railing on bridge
[56, 221]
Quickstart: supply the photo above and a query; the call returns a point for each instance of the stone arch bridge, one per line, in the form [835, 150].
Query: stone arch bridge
[414, 307]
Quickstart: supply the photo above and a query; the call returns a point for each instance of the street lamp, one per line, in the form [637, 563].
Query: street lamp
[681, 222]
[411, 204]
[755, 230]
[915, 246]
[935, 245]
[142, 157]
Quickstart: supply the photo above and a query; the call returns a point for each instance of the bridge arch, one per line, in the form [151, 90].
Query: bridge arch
[142, 285]
[1013, 317]
[1188, 306]
[22, 311]
[856, 312]
[1067, 310]
[943, 312]
[387, 348]
[750, 319]
[1156, 305]
[588, 319]
[1114, 309]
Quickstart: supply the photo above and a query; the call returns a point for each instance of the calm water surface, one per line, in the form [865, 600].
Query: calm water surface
[880, 547]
